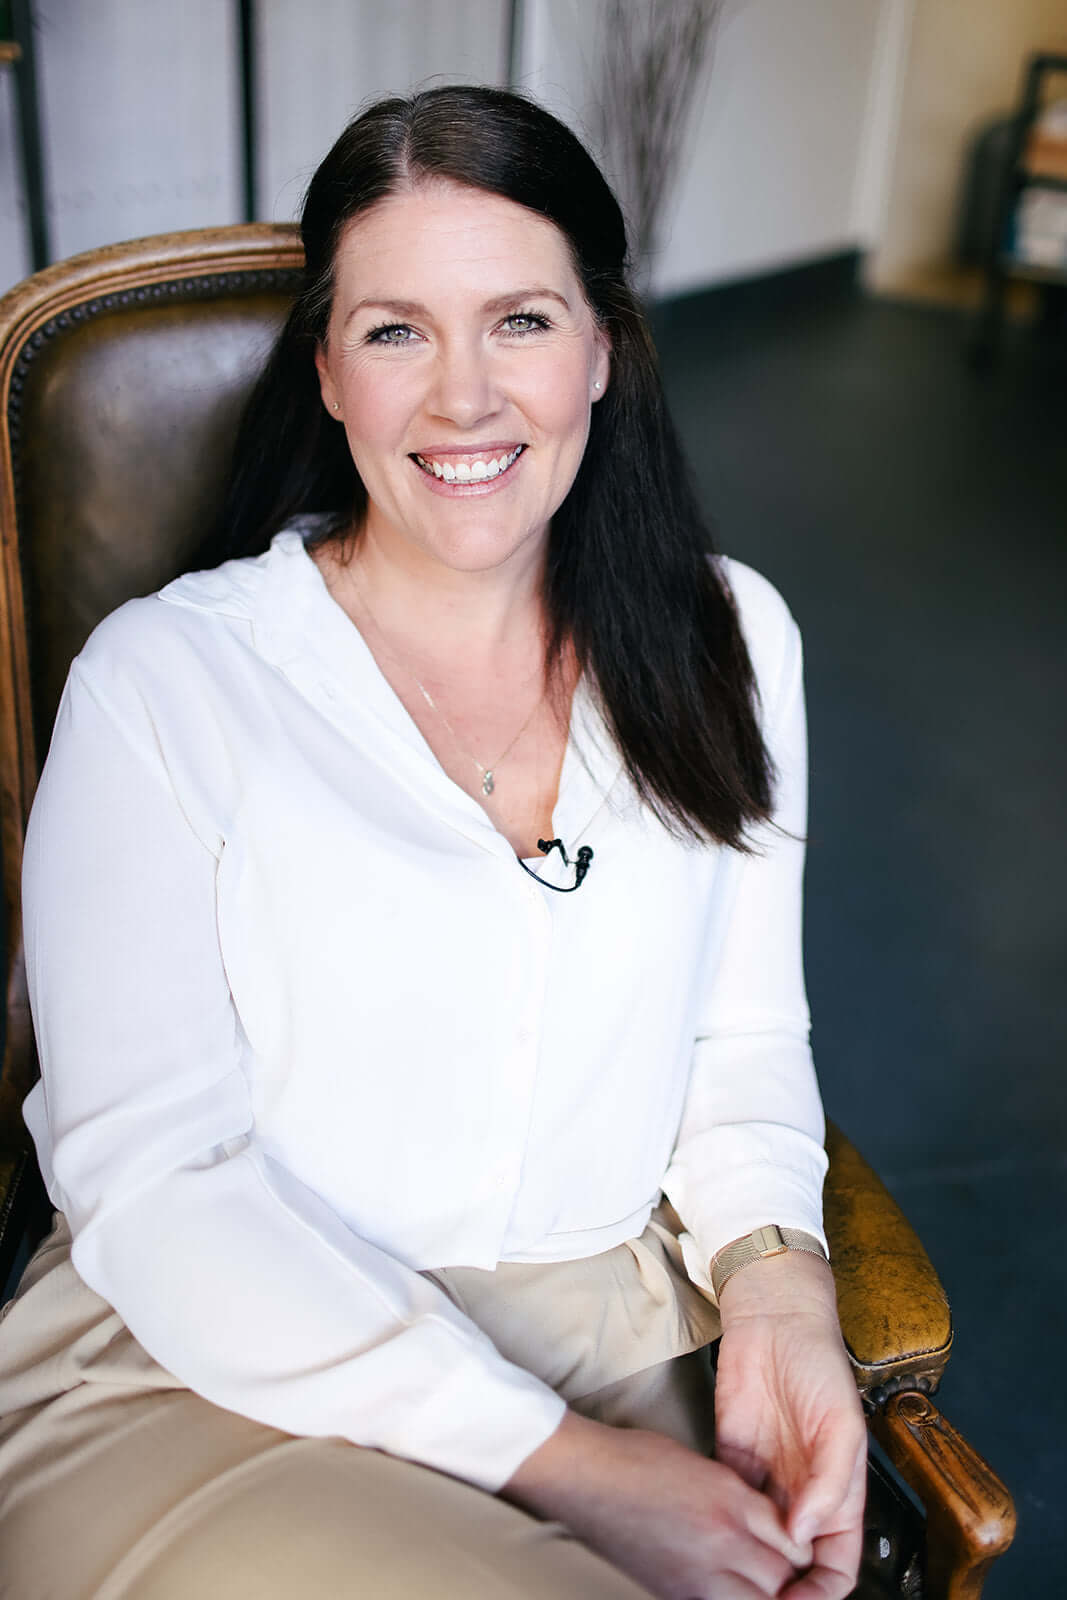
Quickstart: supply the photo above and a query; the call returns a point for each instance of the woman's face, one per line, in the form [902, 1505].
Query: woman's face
[463, 360]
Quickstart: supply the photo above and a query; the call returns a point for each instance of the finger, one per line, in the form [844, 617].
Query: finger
[766, 1525]
[819, 1585]
[834, 1570]
[758, 1564]
[732, 1586]
[837, 1478]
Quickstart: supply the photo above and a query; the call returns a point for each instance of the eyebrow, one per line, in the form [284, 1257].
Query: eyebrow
[414, 308]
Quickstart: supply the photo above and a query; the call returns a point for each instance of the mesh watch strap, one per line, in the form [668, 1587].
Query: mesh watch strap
[757, 1246]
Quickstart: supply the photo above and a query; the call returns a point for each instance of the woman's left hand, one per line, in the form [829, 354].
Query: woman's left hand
[787, 1414]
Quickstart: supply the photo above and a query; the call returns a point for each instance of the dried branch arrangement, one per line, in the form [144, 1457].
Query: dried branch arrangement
[655, 55]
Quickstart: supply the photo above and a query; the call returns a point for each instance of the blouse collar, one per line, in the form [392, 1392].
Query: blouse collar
[298, 626]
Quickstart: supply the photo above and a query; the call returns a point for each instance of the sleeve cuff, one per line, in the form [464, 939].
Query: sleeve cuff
[748, 1196]
[483, 1423]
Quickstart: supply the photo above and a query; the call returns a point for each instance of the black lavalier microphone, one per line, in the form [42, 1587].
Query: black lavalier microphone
[580, 864]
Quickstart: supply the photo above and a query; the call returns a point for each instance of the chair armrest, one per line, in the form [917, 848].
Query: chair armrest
[970, 1517]
[894, 1315]
[23, 1204]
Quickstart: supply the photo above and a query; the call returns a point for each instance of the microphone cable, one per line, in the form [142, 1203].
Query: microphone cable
[581, 864]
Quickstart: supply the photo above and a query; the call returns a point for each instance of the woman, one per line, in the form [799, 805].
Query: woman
[403, 1186]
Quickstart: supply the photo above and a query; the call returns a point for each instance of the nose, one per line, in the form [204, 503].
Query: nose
[464, 390]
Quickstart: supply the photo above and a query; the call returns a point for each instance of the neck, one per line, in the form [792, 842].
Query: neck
[435, 612]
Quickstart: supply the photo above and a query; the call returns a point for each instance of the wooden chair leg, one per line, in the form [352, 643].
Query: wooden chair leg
[970, 1517]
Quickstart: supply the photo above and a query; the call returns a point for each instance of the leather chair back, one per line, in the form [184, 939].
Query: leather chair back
[123, 373]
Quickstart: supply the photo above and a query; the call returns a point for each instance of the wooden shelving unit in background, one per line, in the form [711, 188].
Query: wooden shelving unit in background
[1037, 166]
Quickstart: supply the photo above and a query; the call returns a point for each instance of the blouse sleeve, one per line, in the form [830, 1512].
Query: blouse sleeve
[750, 1145]
[234, 1276]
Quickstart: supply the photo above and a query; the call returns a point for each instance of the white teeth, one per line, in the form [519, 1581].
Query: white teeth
[473, 471]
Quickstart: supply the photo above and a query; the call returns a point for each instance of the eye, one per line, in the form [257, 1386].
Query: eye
[390, 333]
[524, 322]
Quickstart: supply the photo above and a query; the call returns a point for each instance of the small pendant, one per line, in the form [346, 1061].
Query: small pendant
[487, 781]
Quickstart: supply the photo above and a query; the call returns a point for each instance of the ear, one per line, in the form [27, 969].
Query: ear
[600, 376]
[331, 398]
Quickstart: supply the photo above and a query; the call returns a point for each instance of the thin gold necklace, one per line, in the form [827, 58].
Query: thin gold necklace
[487, 773]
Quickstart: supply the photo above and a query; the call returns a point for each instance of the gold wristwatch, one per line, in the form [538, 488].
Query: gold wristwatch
[757, 1246]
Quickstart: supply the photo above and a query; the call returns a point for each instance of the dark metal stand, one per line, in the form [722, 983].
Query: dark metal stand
[29, 119]
[247, 89]
[513, 45]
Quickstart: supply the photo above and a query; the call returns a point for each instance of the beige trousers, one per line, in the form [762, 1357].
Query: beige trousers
[118, 1483]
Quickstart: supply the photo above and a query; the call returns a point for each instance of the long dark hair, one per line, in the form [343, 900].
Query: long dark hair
[631, 583]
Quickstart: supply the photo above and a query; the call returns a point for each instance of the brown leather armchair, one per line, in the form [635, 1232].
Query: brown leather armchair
[122, 375]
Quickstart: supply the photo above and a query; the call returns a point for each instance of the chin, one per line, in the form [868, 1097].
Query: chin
[485, 551]
[480, 559]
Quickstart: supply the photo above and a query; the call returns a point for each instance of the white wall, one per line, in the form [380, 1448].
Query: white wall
[771, 177]
[777, 145]
[142, 124]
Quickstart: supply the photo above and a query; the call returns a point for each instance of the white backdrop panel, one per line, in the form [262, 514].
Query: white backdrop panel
[142, 133]
[139, 112]
[14, 248]
[319, 63]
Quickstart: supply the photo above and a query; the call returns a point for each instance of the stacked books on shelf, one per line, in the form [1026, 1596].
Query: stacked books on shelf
[1039, 223]
[1045, 155]
[1039, 229]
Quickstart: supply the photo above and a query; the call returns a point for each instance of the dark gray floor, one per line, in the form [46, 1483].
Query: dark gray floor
[915, 517]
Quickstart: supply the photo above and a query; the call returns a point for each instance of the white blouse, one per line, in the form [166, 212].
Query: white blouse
[306, 1027]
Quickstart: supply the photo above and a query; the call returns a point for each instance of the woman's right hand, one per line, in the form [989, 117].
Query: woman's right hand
[685, 1527]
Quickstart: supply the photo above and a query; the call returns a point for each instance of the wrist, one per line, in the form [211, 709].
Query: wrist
[788, 1284]
[760, 1244]
[543, 1482]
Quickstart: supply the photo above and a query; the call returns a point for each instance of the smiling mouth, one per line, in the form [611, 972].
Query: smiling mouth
[473, 469]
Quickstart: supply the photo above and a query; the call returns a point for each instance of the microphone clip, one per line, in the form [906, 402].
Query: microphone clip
[581, 864]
